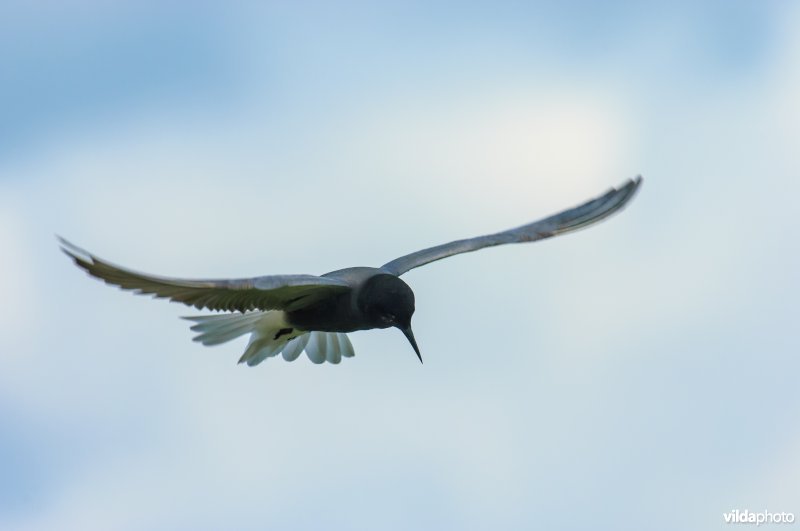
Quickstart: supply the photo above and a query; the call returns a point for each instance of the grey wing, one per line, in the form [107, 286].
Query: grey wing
[275, 292]
[567, 221]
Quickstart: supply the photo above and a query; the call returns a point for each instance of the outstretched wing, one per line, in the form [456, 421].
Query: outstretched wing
[567, 221]
[274, 292]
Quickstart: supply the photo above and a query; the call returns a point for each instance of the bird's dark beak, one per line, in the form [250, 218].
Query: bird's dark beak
[410, 336]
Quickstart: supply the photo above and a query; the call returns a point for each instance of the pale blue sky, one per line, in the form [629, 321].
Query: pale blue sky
[638, 375]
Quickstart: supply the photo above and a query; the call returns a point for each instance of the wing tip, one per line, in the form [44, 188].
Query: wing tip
[630, 189]
[636, 182]
[616, 198]
[81, 257]
[66, 245]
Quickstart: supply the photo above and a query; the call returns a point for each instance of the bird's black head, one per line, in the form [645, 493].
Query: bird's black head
[388, 301]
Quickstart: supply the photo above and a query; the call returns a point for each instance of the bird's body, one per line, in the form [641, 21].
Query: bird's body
[376, 300]
[289, 314]
[344, 312]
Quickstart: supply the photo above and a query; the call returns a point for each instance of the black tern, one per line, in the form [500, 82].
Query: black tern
[287, 314]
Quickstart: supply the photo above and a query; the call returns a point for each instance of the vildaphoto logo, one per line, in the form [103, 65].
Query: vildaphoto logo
[764, 517]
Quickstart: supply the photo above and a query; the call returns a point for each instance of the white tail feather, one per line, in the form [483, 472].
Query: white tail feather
[332, 354]
[347, 347]
[216, 329]
[268, 337]
[261, 349]
[295, 347]
[316, 347]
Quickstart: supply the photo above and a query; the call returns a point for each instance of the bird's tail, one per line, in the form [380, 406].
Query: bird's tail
[217, 329]
[270, 335]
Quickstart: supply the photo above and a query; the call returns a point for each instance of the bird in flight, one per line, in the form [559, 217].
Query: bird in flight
[287, 314]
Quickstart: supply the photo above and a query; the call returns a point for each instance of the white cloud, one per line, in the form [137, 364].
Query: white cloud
[505, 151]
[20, 293]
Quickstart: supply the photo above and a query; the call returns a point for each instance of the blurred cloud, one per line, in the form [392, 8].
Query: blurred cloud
[607, 379]
[17, 276]
[75, 65]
